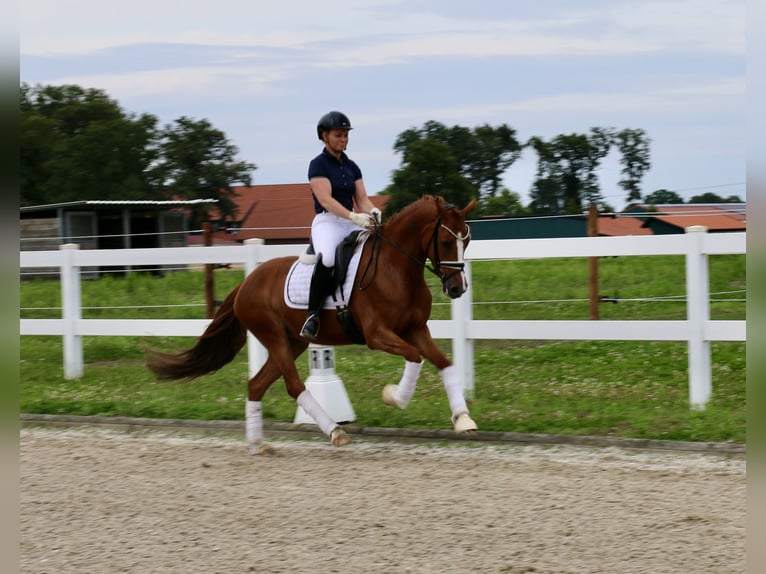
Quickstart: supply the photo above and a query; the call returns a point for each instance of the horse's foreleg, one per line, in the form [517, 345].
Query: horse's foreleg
[461, 420]
[400, 395]
[388, 341]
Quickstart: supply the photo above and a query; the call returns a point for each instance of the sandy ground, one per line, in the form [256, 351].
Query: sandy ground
[103, 502]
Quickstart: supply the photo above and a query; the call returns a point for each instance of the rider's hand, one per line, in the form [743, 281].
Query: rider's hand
[361, 219]
[377, 217]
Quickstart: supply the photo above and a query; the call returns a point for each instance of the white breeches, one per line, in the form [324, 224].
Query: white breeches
[327, 231]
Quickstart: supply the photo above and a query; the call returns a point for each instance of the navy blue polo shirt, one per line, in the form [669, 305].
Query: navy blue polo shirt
[342, 174]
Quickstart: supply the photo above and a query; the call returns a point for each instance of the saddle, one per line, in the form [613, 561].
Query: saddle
[343, 254]
[347, 257]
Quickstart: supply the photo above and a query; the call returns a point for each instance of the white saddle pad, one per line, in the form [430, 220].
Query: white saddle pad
[299, 281]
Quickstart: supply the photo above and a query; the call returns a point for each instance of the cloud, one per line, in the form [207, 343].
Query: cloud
[264, 71]
[390, 29]
[182, 80]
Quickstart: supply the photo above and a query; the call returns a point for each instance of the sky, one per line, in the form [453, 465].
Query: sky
[264, 72]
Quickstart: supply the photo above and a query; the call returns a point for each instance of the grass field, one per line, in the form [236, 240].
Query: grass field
[614, 388]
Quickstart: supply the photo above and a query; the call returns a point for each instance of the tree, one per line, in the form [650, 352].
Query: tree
[490, 154]
[476, 160]
[506, 203]
[633, 145]
[663, 196]
[431, 169]
[566, 171]
[79, 144]
[709, 197]
[197, 161]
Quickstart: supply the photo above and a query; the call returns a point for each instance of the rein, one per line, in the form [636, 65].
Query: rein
[457, 266]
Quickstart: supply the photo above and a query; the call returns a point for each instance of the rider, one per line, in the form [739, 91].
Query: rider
[337, 186]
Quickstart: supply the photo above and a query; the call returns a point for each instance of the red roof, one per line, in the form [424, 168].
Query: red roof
[278, 212]
[712, 222]
[714, 216]
[608, 225]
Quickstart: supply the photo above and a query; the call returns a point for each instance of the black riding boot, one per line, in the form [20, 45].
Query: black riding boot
[321, 283]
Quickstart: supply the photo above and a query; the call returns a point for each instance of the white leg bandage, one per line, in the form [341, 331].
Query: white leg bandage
[406, 387]
[309, 404]
[454, 391]
[253, 422]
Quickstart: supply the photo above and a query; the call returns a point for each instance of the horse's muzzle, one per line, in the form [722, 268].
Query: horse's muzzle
[454, 284]
[454, 292]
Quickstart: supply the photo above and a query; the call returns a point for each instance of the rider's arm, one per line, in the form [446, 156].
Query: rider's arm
[322, 190]
[361, 199]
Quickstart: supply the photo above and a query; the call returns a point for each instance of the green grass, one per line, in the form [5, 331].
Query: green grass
[609, 388]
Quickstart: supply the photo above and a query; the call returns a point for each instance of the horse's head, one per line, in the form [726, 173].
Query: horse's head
[446, 246]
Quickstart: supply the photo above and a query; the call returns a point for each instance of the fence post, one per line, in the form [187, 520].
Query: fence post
[697, 313]
[71, 311]
[462, 346]
[256, 353]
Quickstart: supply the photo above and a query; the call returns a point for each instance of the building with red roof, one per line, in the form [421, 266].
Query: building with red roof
[277, 213]
[675, 218]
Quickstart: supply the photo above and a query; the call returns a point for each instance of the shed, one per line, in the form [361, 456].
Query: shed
[106, 224]
[528, 227]
[675, 218]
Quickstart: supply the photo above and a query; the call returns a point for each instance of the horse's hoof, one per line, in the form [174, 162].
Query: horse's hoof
[465, 425]
[339, 437]
[389, 396]
[262, 449]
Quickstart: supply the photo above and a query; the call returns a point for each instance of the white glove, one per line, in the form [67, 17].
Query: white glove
[377, 217]
[361, 219]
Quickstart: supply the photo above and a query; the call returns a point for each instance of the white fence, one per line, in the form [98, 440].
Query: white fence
[697, 330]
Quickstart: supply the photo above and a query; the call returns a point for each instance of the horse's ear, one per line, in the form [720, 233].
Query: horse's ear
[468, 208]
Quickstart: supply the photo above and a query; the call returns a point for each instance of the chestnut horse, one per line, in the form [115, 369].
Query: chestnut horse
[390, 307]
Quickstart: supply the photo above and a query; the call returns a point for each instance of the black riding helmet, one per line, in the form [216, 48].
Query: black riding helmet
[333, 121]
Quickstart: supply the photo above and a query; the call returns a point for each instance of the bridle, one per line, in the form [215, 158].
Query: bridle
[457, 266]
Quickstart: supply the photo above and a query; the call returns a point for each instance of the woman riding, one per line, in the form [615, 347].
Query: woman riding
[338, 189]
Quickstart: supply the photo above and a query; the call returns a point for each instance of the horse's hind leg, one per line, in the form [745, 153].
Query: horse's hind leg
[297, 390]
[256, 388]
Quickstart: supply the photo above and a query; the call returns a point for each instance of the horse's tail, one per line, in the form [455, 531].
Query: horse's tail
[216, 347]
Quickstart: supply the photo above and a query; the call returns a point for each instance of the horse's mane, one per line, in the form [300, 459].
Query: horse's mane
[403, 212]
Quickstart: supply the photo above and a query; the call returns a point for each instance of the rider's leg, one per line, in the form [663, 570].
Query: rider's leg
[321, 284]
[327, 231]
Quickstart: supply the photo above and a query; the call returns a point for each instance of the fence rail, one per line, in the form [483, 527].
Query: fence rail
[697, 330]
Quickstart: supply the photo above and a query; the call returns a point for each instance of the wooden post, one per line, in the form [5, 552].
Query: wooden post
[207, 236]
[593, 265]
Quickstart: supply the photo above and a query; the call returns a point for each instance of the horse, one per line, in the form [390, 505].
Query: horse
[390, 306]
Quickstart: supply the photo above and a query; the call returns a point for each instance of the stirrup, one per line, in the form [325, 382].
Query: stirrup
[310, 328]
